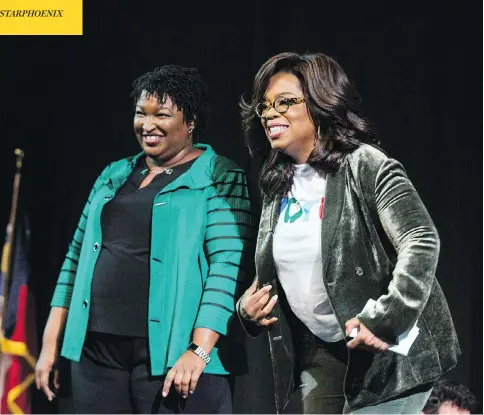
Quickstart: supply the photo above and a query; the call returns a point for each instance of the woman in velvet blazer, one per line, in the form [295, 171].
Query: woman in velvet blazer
[371, 246]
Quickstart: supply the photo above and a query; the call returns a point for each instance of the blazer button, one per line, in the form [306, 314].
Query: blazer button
[108, 197]
[85, 303]
[96, 246]
[359, 271]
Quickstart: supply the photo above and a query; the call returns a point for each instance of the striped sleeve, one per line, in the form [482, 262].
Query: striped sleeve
[65, 282]
[229, 246]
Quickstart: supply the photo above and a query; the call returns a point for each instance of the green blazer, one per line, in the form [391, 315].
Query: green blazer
[202, 228]
[378, 243]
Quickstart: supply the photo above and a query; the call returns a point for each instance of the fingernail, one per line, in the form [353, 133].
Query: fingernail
[184, 396]
[191, 391]
[274, 298]
[164, 394]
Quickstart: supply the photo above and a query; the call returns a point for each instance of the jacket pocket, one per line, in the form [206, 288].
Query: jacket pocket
[424, 355]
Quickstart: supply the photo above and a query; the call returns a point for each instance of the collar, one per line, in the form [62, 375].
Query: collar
[197, 177]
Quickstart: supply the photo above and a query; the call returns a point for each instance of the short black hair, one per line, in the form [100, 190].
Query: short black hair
[450, 391]
[186, 88]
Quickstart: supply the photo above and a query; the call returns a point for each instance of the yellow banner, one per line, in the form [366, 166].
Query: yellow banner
[40, 17]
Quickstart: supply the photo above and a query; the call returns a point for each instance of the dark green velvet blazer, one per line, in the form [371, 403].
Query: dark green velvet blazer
[378, 242]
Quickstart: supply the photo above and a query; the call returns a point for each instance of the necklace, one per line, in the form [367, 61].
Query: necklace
[154, 171]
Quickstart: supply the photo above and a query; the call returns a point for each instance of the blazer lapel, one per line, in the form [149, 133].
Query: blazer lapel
[333, 207]
[264, 259]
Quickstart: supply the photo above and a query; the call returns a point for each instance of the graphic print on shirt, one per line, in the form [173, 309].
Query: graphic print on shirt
[300, 209]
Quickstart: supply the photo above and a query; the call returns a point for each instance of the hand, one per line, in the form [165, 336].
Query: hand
[45, 365]
[184, 374]
[255, 305]
[364, 337]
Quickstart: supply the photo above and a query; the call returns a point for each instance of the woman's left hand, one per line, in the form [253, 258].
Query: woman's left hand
[364, 337]
[184, 374]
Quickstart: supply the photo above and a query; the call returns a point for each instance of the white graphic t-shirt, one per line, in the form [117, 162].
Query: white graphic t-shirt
[297, 254]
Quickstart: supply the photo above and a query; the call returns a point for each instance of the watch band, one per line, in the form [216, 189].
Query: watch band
[199, 351]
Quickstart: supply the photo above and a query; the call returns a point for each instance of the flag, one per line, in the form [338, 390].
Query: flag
[18, 339]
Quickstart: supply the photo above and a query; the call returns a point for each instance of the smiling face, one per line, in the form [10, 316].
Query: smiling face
[293, 132]
[160, 128]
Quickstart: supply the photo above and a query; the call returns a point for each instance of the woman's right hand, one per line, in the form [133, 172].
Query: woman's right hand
[45, 365]
[256, 304]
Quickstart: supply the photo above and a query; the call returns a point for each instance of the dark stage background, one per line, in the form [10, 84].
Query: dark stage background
[65, 101]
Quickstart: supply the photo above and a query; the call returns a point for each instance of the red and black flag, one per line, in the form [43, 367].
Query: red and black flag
[18, 343]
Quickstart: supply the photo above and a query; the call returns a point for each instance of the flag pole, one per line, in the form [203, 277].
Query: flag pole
[7, 247]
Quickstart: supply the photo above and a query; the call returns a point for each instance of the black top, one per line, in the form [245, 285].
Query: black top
[120, 284]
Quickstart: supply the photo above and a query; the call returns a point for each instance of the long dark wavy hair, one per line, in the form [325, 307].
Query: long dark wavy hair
[333, 106]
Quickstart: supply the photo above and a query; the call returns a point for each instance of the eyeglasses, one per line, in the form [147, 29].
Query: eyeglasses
[281, 104]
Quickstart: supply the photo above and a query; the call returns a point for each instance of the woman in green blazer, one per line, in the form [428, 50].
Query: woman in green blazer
[346, 252]
[148, 287]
